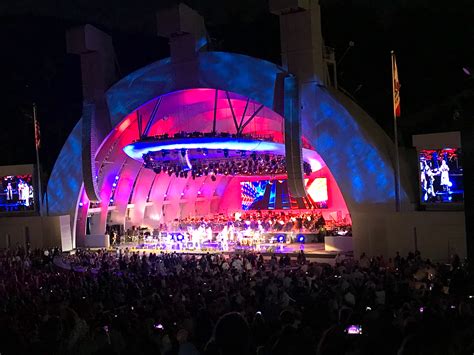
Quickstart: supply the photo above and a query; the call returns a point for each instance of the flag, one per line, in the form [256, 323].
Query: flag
[37, 134]
[395, 87]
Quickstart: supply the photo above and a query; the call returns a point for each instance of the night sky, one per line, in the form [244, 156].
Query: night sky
[433, 41]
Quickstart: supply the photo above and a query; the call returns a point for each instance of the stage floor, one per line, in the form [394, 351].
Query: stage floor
[311, 250]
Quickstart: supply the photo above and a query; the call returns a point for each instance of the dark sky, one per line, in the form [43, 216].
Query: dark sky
[434, 41]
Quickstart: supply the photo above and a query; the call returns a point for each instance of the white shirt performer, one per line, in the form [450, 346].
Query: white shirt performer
[444, 169]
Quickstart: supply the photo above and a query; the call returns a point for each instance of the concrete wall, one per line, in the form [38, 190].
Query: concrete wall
[44, 232]
[438, 234]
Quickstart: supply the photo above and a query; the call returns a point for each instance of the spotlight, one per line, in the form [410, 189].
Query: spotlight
[81, 204]
[300, 238]
[114, 184]
[281, 238]
[117, 177]
[179, 237]
[204, 151]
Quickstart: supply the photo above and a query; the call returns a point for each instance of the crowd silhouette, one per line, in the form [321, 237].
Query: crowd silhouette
[121, 302]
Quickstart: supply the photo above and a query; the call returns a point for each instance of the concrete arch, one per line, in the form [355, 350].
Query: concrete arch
[328, 121]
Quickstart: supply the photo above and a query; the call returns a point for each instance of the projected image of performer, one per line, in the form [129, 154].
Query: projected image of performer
[20, 187]
[444, 170]
[23, 193]
[428, 183]
[9, 192]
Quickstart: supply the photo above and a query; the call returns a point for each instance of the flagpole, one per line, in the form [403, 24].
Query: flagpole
[38, 170]
[395, 130]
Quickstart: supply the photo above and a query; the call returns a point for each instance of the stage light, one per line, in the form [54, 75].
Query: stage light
[199, 192]
[114, 184]
[117, 177]
[81, 204]
[111, 200]
[300, 238]
[179, 237]
[281, 238]
[165, 195]
[204, 151]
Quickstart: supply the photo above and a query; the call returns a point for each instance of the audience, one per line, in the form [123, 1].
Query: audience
[121, 302]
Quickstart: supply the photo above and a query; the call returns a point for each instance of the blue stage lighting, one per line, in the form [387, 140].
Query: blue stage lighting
[300, 238]
[281, 238]
[179, 237]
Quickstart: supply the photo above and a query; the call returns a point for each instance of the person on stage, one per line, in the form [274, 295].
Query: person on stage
[9, 192]
[429, 192]
[20, 188]
[445, 183]
[225, 238]
[26, 194]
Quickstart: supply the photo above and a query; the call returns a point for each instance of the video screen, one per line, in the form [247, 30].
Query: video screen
[275, 195]
[17, 193]
[441, 176]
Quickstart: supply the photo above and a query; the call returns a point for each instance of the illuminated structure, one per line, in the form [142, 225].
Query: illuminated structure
[235, 106]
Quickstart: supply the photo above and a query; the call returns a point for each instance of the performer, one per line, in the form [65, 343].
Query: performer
[231, 231]
[445, 183]
[20, 188]
[9, 192]
[26, 194]
[423, 178]
[225, 238]
[430, 174]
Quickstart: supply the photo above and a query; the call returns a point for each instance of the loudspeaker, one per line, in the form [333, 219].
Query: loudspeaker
[293, 139]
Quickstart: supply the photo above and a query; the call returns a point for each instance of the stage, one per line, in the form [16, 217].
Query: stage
[311, 250]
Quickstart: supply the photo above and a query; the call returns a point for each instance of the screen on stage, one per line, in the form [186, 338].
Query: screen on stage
[275, 195]
[17, 193]
[441, 176]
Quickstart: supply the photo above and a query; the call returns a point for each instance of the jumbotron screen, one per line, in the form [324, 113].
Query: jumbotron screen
[441, 176]
[274, 195]
[17, 193]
